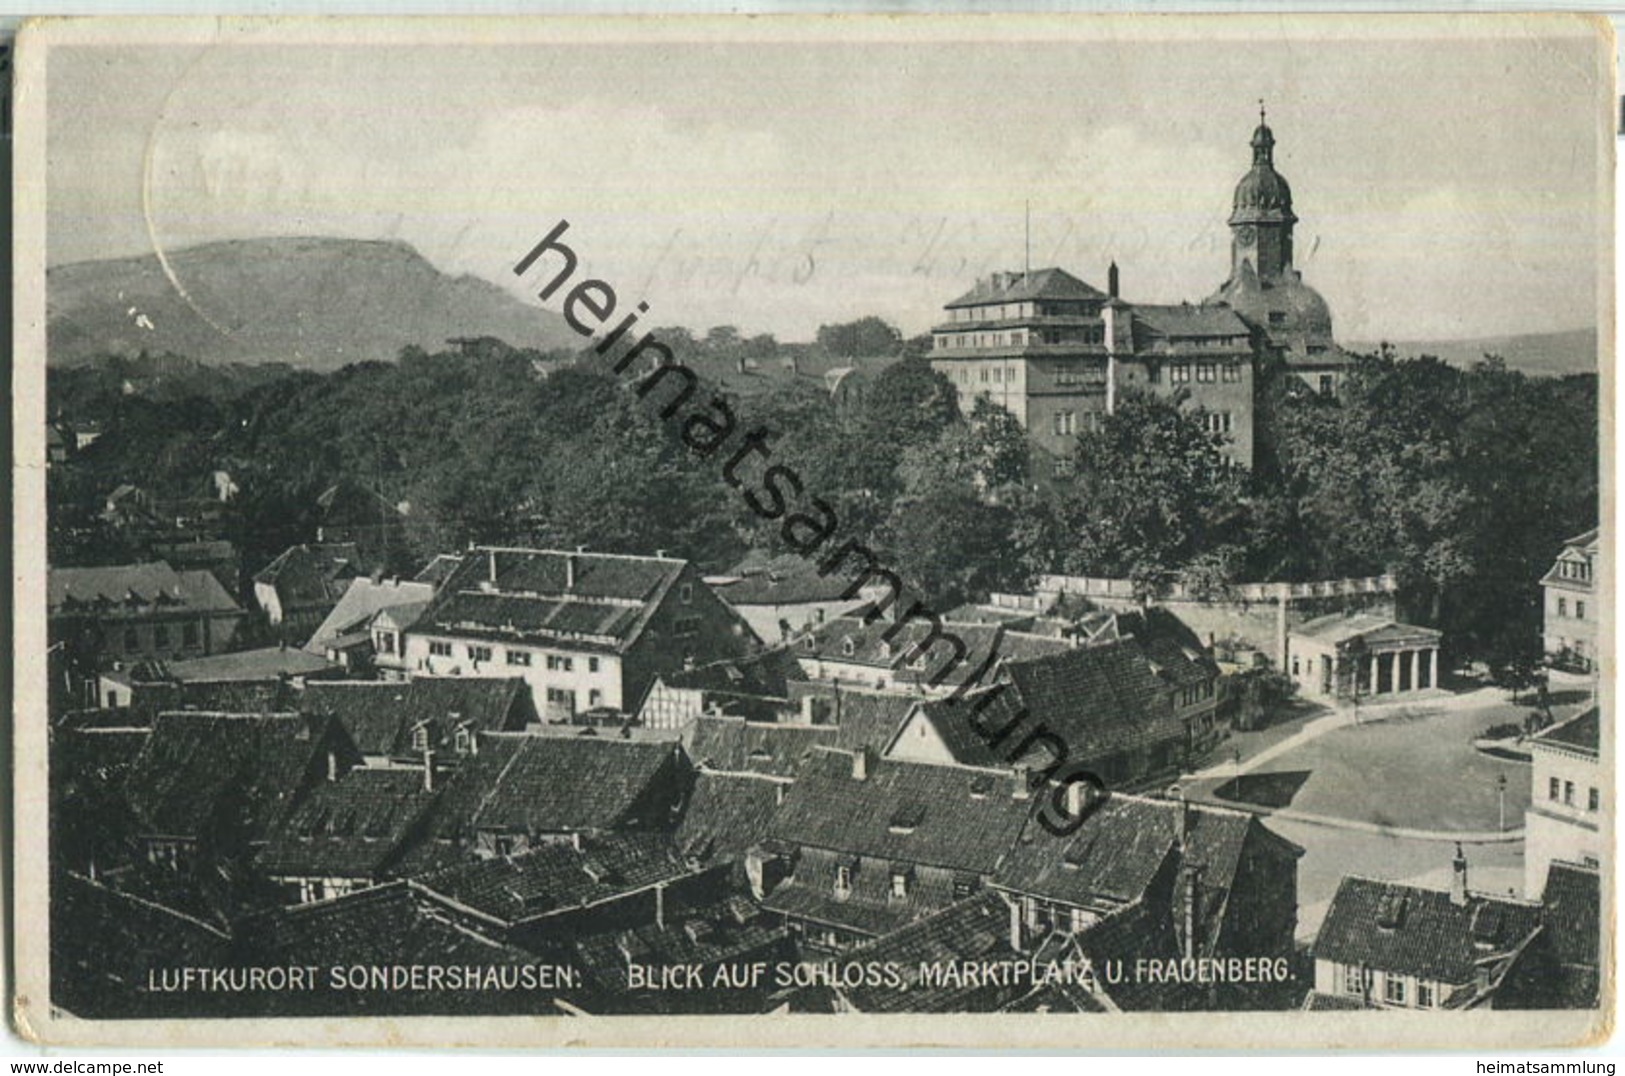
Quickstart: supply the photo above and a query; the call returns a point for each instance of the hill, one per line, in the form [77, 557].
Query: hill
[312, 303]
[1556, 354]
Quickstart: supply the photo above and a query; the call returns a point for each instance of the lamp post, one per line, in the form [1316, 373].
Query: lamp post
[1501, 793]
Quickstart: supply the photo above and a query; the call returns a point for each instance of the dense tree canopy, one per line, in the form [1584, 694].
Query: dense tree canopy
[1461, 482]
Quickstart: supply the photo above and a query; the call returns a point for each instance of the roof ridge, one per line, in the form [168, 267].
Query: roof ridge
[573, 553]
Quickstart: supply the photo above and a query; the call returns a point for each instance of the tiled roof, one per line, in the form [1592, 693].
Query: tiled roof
[1586, 539]
[1126, 843]
[832, 640]
[267, 663]
[380, 715]
[1035, 284]
[764, 675]
[869, 718]
[439, 569]
[726, 815]
[559, 877]
[729, 930]
[1143, 930]
[1572, 901]
[1583, 732]
[219, 696]
[134, 590]
[1413, 931]
[363, 598]
[193, 762]
[947, 816]
[310, 575]
[788, 579]
[734, 745]
[1338, 628]
[349, 828]
[1100, 700]
[1171, 646]
[553, 785]
[591, 599]
[971, 930]
[1188, 321]
[386, 924]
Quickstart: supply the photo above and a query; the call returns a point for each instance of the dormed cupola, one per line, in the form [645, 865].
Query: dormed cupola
[1261, 216]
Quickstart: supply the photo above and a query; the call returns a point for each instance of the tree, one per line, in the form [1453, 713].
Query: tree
[1151, 492]
[866, 336]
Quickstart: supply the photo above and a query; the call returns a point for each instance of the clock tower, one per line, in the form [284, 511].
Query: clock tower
[1261, 216]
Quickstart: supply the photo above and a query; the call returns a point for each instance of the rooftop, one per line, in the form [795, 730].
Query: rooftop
[363, 599]
[598, 600]
[134, 590]
[1414, 931]
[349, 828]
[1009, 287]
[1582, 732]
[1337, 628]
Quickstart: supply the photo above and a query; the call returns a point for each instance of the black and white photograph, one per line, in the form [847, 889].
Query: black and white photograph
[1072, 531]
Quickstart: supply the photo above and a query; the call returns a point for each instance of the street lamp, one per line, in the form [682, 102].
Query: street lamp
[1501, 792]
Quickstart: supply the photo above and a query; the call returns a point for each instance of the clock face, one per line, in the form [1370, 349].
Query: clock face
[1246, 234]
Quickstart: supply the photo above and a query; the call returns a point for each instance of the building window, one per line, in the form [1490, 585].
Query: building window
[1062, 466]
[899, 885]
[1179, 373]
[1568, 793]
[592, 664]
[685, 593]
[1552, 789]
[479, 653]
[685, 626]
[1153, 374]
[1393, 990]
[1353, 981]
[847, 647]
[1206, 372]
[1593, 800]
[1562, 607]
[1328, 385]
[464, 740]
[160, 636]
[1579, 609]
[386, 642]
[519, 657]
[560, 663]
[595, 698]
[843, 881]
[1424, 995]
[1277, 318]
[439, 649]
[1232, 372]
[420, 738]
[1066, 423]
[189, 634]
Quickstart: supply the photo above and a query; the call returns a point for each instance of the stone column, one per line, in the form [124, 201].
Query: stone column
[1433, 667]
[1374, 673]
[1416, 670]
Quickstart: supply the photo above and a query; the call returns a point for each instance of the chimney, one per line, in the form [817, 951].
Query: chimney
[428, 769]
[569, 571]
[1023, 775]
[741, 364]
[1111, 280]
[332, 765]
[1082, 797]
[778, 794]
[660, 898]
[807, 713]
[860, 764]
[1458, 878]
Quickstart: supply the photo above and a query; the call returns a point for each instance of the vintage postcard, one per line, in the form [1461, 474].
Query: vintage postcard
[1076, 532]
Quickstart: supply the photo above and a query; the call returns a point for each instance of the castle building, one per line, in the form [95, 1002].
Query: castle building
[1056, 352]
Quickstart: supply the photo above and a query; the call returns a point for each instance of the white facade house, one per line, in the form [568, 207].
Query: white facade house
[1569, 603]
[1362, 656]
[1564, 821]
[586, 631]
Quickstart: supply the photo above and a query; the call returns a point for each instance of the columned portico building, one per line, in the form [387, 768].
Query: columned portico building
[1362, 657]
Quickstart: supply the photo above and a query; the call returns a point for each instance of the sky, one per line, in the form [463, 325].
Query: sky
[1447, 187]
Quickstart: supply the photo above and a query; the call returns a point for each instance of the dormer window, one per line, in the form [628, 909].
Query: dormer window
[463, 740]
[899, 884]
[885, 650]
[843, 880]
[420, 738]
[848, 647]
[685, 593]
